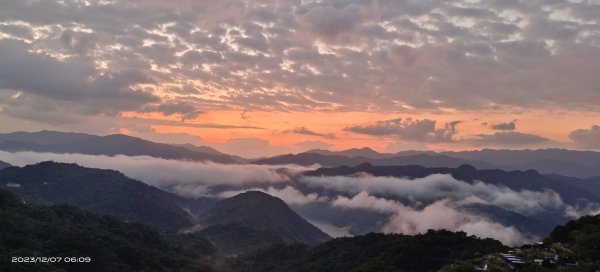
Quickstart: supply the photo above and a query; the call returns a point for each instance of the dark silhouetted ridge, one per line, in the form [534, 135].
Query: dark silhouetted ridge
[110, 243]
[3, 165]
[97, 190]
[516, 180]
[115, 144]
[262, 212]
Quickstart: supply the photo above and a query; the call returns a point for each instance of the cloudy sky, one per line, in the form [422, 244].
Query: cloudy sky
[265, 77]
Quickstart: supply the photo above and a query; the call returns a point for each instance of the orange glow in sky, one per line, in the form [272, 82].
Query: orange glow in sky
[280, 129]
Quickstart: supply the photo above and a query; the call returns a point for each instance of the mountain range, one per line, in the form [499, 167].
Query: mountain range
[572, 191]
[110, 145]
[426, 160]
[257, 229]
[516, 179]
[503, 157]
[112, 193]
[31, 231]
[572, 163]
[97, 190]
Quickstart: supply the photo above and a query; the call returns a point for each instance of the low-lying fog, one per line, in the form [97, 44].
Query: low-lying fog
[340, 205]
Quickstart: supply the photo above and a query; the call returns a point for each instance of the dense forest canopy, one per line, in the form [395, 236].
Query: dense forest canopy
[65, 231]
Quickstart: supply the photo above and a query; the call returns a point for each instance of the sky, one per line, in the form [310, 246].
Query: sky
[258, 78]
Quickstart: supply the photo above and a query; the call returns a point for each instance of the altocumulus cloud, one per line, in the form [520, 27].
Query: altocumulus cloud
[508, 139]
[504, 126]
[586, 138]
[408, 129]
[219, 54]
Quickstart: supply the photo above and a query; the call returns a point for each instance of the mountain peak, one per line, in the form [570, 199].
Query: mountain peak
[365, 152]
[255, 194]
[466, 167]
[257, 199]
[263, 212]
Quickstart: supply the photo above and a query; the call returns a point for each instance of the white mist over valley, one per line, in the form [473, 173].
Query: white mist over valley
[378, 204]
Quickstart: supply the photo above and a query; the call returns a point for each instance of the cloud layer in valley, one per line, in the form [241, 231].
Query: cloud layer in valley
[189, 179]
[405, 205]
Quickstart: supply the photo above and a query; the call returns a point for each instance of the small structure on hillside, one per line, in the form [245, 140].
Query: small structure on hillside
[13, 185]
[481, 268]
[512, 261]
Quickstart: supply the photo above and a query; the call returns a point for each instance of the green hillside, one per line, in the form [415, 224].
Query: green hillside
[64, 231]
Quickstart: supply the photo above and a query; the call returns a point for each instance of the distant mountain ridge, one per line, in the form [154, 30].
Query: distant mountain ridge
[507, 156]
[515, 180]
[591, 185]
[565, 162]
[110, 145]
[364, 152]
[210, 150]
[572, 191]
[496, 157]
[581, 164]
[426, 160]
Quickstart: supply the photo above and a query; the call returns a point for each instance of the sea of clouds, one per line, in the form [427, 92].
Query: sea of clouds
[408, 206]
